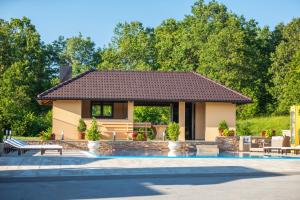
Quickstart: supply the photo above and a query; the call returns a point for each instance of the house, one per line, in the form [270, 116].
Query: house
[197, 103]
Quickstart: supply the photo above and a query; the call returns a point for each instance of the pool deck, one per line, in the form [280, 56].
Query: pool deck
[78, 164]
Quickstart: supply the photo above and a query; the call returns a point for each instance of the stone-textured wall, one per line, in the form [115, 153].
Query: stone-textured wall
[260, 142]
[116, 145]
[228, 143]
[224, 144]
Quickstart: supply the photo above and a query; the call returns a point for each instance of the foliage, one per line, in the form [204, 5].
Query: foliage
[151, 135]
[226, 132]
[173, 131]
[28, 138]
[211, 40]
[93, 134]
[243, 128]
[269, 133]
[78, 52]
[31, 124]
[132, 48]
[223, 125]
[285, 68]
[140, 137]
[24, 73]
[258, 124]
[155, 115]
[46, 135]
[81, 126]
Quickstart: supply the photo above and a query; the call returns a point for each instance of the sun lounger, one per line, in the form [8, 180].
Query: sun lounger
[277, 143]
[285, 150]
[22, 147]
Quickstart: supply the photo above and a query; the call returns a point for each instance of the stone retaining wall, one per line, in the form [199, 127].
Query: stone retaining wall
[117, 145]
[230, 143]
[224, 144]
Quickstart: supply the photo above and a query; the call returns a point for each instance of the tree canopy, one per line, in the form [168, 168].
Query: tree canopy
[256, 61]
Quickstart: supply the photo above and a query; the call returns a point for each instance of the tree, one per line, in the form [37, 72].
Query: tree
[24, 73]
[78, 52]
[132, 48]
[285, 69]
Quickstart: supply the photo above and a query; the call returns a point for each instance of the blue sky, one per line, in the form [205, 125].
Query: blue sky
[97, 18]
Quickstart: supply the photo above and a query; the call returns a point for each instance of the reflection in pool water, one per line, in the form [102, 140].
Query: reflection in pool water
[187, 154]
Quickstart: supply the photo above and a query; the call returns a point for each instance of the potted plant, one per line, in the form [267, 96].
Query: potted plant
[172, 134]
[81, 129]
[93, 136]
[228, 132]
[141, 137]
[46, 135]
[1, 142]
[269, 133]
[222, 126]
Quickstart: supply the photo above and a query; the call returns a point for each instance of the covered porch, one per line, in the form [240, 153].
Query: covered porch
[197, 120]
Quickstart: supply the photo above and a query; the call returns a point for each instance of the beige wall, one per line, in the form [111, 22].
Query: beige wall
[181, 120]
[199, 121]
[66, 114]
[214, 114]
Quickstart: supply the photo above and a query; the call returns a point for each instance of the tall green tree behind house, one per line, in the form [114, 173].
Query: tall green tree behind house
[285, 69]
[132, 48]
[211, 40]
[24, 73]
[78, 52]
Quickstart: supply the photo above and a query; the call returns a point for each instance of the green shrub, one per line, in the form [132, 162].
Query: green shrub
[153, 114]
[140, 137]
[173, 131]
[93, 134]
[226, 132]
[151, 135]
[81, 126]
[46, 135]
[223, 125]
[31, 124]
[270, 133]
[243, 129]
[276, 123]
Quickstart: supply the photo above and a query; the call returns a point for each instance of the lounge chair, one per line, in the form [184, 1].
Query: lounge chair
[285, 150]
[22, 146]
[277, 143]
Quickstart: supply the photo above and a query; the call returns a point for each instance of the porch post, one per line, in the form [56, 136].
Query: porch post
[130, 111]
[181, 120]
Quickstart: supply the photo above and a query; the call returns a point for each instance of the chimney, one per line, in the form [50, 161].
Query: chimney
[65, 73]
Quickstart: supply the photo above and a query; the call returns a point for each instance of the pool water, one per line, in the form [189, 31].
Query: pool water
[187, 154]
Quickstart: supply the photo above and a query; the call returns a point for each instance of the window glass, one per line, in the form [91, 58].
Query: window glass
[96, 110]
[107, 110]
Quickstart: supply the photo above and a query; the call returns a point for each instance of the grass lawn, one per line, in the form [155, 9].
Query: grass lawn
[277, 123]
[26, 138]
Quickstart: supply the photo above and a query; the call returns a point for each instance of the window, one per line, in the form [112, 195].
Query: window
[102, 110]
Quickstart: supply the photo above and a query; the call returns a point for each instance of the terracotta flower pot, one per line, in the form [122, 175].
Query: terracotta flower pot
[134, 135]
[221, 132]
[81, 136]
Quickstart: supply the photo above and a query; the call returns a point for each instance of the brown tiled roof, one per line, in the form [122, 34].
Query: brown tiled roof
[143, 86]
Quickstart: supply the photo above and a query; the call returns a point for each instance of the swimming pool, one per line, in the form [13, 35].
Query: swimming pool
[187, 154]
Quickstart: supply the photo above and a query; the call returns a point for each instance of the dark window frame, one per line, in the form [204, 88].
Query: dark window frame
[102, 104]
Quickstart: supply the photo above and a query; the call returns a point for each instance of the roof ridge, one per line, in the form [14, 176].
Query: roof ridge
[65, 83]
[236, 92]
[150, 71]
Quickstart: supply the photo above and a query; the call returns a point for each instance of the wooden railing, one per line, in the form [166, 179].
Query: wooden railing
[120, 130]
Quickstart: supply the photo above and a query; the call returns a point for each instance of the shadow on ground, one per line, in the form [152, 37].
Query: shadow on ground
[119, 182]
